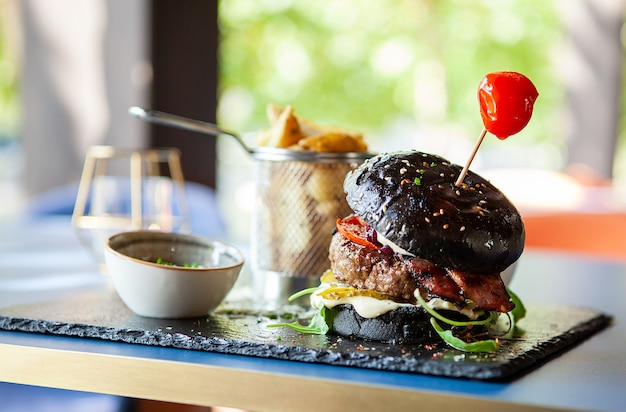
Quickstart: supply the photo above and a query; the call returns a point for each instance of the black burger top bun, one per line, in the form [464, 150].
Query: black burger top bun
[411, 199]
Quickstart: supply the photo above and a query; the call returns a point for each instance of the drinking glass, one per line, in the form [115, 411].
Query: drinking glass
[128, 189]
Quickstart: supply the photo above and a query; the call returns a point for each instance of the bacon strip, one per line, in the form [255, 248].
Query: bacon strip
[434, 279]
[487, 291]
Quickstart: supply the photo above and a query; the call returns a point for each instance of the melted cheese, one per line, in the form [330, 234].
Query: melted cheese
[365, 306]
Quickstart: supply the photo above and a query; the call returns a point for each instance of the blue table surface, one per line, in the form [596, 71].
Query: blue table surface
[42, 259]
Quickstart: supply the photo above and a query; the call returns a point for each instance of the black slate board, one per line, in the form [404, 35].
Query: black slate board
[548, 330]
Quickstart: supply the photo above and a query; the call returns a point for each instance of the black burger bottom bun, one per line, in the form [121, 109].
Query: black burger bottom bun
[407, 324]
[411, 199]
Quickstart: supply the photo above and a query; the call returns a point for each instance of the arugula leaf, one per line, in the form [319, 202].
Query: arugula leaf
[490, 319]
[317, 325]
[489, 345]
[520, 311]
[302, 293]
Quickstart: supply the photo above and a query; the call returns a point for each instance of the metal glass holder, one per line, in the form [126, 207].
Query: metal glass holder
[128, 189]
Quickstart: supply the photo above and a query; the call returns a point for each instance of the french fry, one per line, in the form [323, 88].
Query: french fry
[273, 112]
[333, 142]
[310, 128]
[290, 131]
[323, 184]
[285, 131]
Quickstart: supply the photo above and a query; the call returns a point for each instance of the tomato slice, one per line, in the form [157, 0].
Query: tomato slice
[506, 102]
[353, 228]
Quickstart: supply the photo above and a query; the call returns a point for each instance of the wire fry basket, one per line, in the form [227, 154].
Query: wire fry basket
[299, 196]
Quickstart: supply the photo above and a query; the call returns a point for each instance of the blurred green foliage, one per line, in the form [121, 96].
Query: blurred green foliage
[364, 65]
[368, 65]
[8, 79]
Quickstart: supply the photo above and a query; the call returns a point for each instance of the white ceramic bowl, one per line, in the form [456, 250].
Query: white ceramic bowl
[163, 291]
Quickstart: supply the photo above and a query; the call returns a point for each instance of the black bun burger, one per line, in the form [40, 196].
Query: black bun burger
[420, 255]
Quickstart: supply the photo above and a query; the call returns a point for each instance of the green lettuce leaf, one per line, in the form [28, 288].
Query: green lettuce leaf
[317, 325]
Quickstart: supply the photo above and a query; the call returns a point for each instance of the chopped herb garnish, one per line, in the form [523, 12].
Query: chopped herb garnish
[417, 181]
[160, 261]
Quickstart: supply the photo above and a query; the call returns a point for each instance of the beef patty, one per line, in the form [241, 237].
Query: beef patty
[366, 268]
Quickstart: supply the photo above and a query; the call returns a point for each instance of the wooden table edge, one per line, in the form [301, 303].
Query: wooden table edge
[208, 385]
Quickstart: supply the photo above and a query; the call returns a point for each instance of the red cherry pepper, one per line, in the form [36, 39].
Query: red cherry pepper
[506, 102]
[354, 228]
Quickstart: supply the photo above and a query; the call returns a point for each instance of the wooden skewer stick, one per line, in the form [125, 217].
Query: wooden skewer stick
[471, 158]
